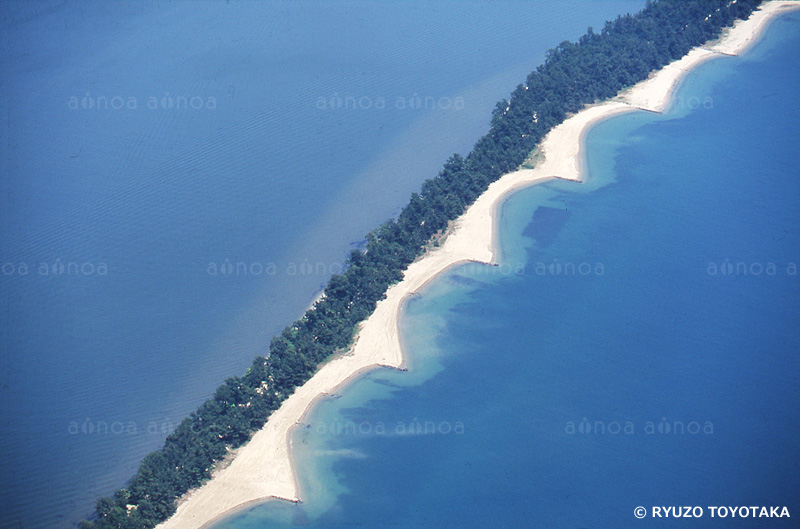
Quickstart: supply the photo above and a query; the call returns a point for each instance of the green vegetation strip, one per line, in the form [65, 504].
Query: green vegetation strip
[595, 68]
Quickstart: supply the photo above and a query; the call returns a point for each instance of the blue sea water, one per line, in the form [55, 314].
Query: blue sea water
[179, 180]
[638, 347]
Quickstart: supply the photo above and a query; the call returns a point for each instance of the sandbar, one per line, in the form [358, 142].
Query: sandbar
[263, 469]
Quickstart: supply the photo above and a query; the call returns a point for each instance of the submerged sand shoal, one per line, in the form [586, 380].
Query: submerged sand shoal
[263, 468]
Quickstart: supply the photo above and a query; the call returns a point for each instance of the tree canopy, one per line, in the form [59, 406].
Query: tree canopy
[574, 74]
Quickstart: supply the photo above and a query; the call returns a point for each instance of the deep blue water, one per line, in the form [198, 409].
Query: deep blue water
[637, 348]
[147, 145]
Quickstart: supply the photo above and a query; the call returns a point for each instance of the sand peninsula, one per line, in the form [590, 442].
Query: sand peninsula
[262, 469]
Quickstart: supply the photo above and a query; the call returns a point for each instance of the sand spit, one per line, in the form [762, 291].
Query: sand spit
[263, 468]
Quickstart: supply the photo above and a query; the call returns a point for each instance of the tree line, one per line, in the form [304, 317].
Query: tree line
[574, 74]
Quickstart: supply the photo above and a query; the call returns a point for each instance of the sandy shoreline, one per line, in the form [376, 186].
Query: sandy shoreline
[263, 468]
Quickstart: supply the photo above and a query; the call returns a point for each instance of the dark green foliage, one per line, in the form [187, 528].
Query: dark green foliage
[595, 68]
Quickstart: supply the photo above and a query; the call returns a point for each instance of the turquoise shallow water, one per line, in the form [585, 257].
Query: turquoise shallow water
[639, 348]
[144, 146]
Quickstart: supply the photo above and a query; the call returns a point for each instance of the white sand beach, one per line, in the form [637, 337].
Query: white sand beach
[263, 468]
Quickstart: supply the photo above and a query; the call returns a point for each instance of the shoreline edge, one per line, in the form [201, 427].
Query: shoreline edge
[263, 468]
